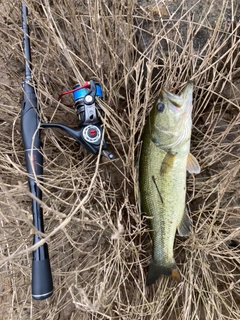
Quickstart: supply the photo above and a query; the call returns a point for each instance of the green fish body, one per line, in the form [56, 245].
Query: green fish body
[165, 157]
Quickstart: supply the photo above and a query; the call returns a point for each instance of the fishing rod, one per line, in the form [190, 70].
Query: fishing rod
[42, 284]
[89, 134]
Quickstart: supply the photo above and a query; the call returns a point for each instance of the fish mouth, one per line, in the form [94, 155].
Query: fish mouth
[178, 101]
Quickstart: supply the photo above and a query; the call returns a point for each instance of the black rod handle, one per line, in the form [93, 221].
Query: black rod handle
[42, 285]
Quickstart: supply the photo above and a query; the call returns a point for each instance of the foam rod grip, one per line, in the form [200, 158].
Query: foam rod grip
[42, 284]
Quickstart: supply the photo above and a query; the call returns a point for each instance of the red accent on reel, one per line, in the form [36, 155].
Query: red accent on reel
[85, 85]
[92, 133]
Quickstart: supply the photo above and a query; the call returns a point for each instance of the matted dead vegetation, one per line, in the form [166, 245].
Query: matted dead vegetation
[99, 242]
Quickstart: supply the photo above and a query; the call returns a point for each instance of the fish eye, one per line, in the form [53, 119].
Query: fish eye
[160, 107]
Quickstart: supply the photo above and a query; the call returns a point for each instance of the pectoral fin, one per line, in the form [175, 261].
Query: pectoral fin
[184, 227]
[192, 164]
[167, 163]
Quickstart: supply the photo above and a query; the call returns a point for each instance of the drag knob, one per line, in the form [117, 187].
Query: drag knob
[92, 133]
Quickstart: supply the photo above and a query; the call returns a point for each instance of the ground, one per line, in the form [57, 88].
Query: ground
[99, 241]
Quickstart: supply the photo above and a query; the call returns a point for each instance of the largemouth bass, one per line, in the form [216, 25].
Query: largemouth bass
[165, 157]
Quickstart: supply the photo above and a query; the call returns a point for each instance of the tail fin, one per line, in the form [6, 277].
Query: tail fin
[155, 270]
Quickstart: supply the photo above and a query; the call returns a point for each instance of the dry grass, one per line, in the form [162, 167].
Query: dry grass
[99, 243]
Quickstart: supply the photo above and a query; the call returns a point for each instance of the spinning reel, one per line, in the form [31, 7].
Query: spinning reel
[90, 130]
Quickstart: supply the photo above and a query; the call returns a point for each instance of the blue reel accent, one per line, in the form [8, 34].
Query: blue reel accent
[79, 93]
[98, 91]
